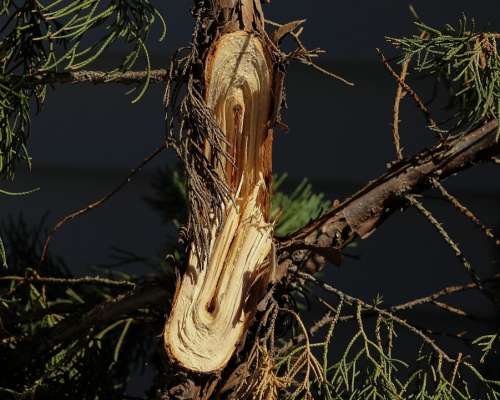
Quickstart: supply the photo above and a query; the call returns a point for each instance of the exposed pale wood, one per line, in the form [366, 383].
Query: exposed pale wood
[216, 299]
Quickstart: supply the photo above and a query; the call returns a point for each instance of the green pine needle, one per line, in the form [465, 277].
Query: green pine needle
[51, 36]
[465, 61]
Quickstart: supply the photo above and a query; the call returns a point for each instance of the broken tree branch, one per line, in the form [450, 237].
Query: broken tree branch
[356, 217]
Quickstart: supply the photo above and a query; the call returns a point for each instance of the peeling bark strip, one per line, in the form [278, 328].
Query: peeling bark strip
[215, 301]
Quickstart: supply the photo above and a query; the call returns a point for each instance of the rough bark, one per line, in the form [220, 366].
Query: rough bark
[216, 299]
[361, 214]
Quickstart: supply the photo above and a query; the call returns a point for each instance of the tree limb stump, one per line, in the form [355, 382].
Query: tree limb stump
[216, 300]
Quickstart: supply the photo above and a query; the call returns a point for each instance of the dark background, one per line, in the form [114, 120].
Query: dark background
[88, 137]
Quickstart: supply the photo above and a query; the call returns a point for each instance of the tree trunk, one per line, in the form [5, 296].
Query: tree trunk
[216, 300]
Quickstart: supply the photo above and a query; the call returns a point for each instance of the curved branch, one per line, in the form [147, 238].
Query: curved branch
[98, 202]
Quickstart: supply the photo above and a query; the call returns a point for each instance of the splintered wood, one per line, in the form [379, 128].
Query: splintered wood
[216, 301]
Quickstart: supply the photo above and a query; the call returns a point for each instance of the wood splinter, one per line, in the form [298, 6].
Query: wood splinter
[216, 301]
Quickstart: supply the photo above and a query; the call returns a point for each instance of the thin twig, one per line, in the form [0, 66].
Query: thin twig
[380, 311]
[455, 368]
[446, 237]
[306, 59]
[464, 210]
[329, 334]
[86, 280]
[416, 98]
[312, 64]
[310, 361]
[326, 319]
[440, 293]
[305, 56]
[98, 202]
[400, 93]
[95, 77]
[395, 114]
[451, 309]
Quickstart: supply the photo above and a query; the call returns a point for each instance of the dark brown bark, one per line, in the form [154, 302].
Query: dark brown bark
[365, 211]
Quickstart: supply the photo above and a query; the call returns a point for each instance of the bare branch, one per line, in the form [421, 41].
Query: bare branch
[440, 293]
[302, 54]
[378, 310]
[446, 237]
[360, 215]
[416, 98]
[98, 202]
[95, 77]
[455, 368]
[450, 309]
[86, 280]
[400, 93]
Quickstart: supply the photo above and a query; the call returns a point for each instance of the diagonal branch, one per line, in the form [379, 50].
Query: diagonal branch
[465, 211]
[446, 237]
[360, 215]
[440, 293]
[99, 202]
[416, 98]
